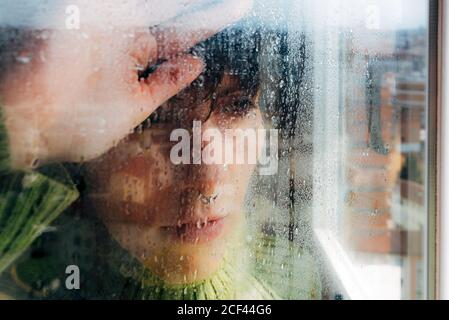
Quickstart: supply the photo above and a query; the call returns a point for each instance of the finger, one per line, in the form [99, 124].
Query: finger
[143, 49]
[186, 31]
[168, 80]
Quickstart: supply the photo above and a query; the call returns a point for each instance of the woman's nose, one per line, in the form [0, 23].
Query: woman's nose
[202, 178]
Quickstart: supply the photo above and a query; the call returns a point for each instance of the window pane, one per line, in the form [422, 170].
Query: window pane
[213, 149]
[370, 144]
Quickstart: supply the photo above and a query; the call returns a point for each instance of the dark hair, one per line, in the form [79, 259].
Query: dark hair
[234, 51]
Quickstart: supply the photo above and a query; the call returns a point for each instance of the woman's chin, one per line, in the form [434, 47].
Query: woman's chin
[173, 259]
[184, 264]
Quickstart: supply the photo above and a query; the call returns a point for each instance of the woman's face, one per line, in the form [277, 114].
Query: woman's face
[179, 220]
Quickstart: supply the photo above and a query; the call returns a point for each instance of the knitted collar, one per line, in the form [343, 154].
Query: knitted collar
[233, 280]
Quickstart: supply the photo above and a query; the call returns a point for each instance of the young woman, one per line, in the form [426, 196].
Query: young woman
[155, 229]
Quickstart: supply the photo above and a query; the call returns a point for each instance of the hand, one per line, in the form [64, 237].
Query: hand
[81, 93]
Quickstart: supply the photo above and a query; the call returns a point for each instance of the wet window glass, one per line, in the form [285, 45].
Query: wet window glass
[214, 149]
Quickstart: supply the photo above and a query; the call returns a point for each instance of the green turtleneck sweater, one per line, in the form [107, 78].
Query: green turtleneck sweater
[31, 200]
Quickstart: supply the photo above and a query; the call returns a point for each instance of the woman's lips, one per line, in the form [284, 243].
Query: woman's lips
[196, 233]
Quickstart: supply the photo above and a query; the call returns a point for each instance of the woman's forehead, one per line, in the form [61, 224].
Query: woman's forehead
[229, 83]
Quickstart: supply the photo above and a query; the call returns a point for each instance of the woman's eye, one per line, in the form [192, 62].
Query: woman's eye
[242, 104]
[239, 106]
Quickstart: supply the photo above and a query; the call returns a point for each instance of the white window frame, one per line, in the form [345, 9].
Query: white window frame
[436, 248]
[443, 209]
